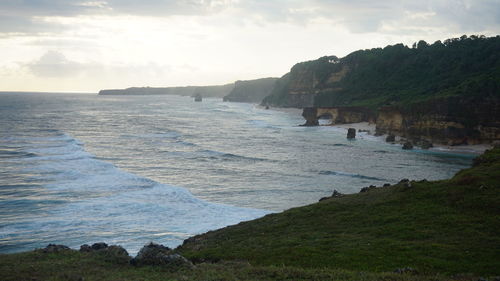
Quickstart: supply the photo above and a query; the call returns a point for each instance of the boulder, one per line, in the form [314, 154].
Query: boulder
[390, 138]
[99, 246]
[54, 248]
[425, 144]
[407, 145]
[115, 254]
[85, 248]
[337, 194]
[351, 133]
[155, 254]
[368, 188]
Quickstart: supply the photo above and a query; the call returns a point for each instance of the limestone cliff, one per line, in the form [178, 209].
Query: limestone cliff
[445, 92]
[252, 91]
[450, 121]
[338, 115]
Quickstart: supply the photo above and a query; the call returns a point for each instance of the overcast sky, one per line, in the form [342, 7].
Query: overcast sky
[84, 46]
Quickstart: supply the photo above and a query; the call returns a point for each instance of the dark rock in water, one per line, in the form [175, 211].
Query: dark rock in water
[387, 184]
[390, 138]
[351, 133]
[99, 246]
[155, 254]
[407, 145]
[406, 270]
[337, 194]
[425, 144]
[404, 180]
[53, 248]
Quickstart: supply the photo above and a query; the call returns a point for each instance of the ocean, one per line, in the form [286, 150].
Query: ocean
[127, 170]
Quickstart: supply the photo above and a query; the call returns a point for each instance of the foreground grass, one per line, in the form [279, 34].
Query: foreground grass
[73, 265]
[446, 230]
[450, 226]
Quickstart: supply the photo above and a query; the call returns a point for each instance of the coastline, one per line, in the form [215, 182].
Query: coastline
[369, 128]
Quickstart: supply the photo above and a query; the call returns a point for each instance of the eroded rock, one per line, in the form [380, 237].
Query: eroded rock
[156, 254]
[351, 133]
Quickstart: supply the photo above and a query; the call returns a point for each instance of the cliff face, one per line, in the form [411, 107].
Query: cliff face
[252, 91]
[305, 81]
[447, 92]
[338, 115]
[394, 75]
[449, 121]
[205, 91]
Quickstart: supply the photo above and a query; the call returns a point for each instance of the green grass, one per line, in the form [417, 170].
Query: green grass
[448, 226]
[73, 265]
[446, 230]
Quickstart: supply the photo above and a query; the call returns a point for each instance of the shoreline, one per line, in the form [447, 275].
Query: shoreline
[369, 128]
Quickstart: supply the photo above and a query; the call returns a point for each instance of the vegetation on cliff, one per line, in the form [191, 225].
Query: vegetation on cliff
[442, 230]
[251, 90]
[395, 75]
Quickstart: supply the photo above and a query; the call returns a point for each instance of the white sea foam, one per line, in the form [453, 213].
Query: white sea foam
[109, 204]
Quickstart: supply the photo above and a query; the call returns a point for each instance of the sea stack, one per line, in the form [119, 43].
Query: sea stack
[351, 133]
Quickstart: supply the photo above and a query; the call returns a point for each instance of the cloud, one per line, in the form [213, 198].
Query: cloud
[54, 64]
[356, 15]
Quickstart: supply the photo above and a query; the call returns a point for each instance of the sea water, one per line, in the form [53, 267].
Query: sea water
[127, 170]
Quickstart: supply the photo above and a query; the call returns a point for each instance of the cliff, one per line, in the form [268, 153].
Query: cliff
[205, 91]
[394, 75]
[253, 91]
[451, 121]
[446, 92]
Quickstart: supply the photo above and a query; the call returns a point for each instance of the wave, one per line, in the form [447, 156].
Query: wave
[343, 174]
[228, 156]
[83, 199]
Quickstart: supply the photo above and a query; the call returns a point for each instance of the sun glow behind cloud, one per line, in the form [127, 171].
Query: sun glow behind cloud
[90, 45]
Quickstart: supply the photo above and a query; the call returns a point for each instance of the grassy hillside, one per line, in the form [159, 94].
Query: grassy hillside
[396, 75]
[76, 266]
[448, 226]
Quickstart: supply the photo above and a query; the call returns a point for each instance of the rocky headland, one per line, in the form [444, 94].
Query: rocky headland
[445, 93]
[251, 91]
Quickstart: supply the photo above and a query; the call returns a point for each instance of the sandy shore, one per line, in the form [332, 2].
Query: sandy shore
[369, 128]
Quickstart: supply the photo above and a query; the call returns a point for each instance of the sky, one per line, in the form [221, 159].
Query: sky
[85, 46]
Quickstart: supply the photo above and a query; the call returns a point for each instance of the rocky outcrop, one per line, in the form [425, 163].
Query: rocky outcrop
[337, 115]
[351, 133]
[155, 254]
[450, 121]
[252, 91]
